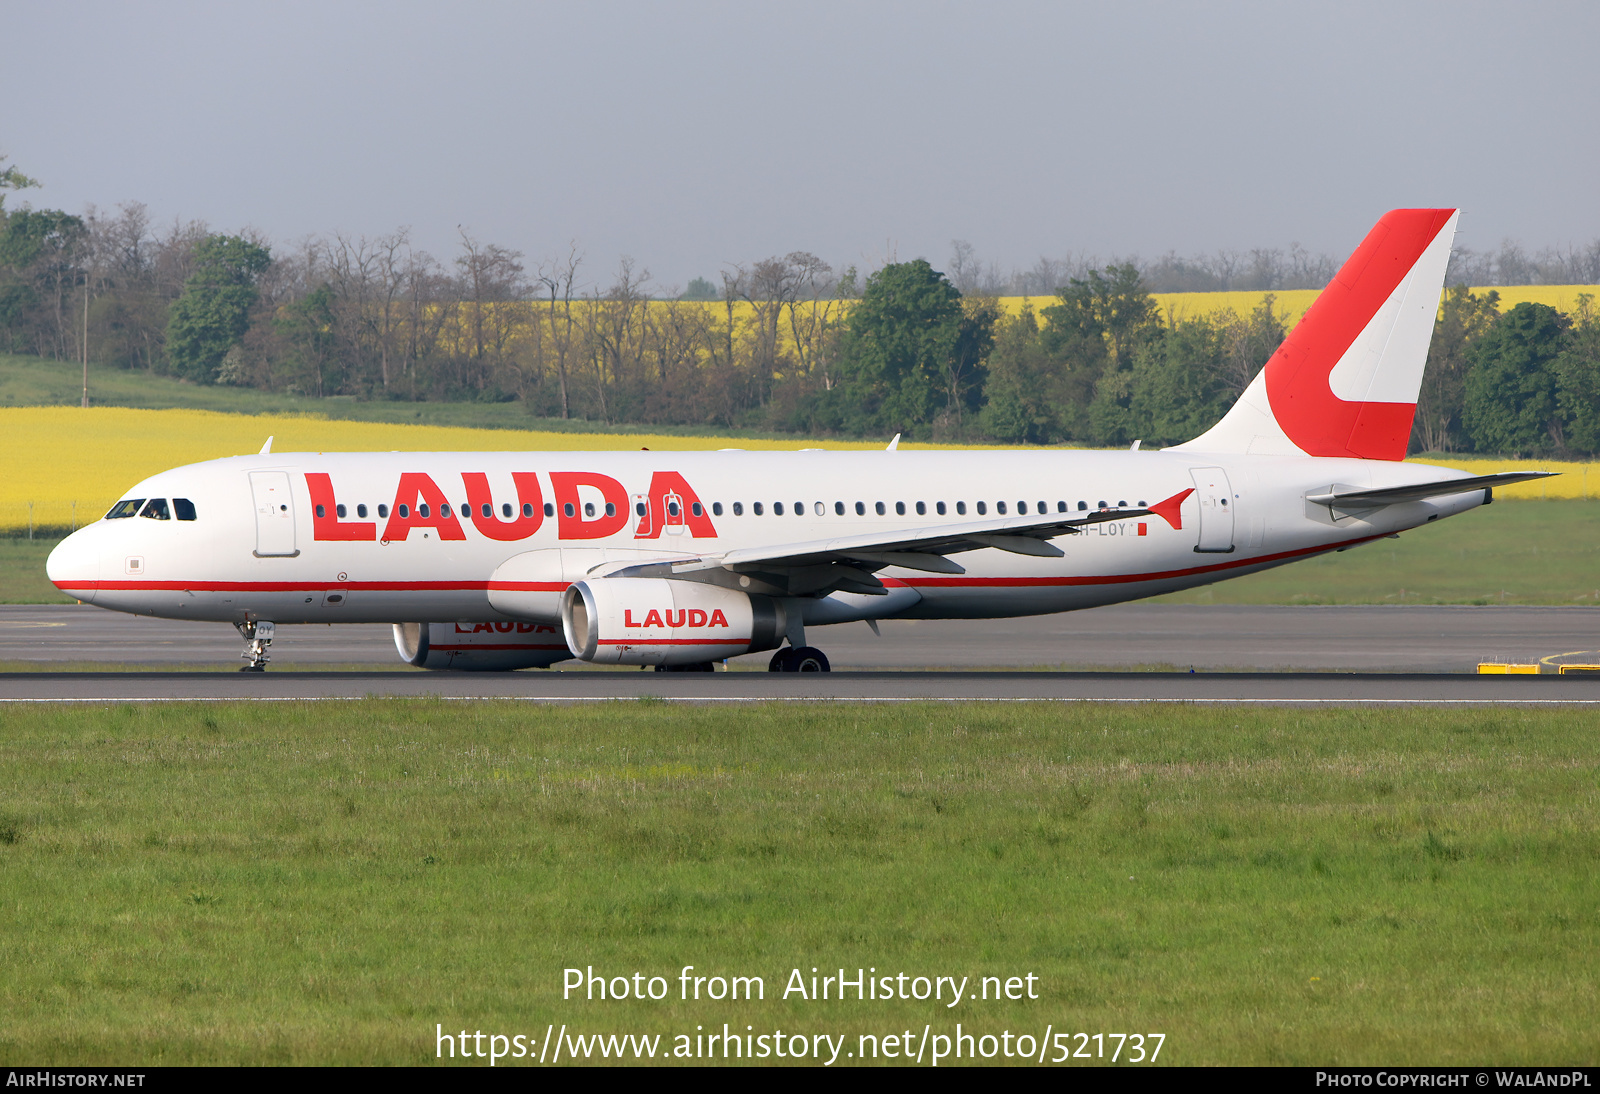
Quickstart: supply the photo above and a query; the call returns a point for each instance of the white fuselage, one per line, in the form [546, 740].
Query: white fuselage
[257, 550]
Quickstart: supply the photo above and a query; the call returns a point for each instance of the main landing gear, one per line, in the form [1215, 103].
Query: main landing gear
[258, 636]
[801, 659]
[797, 656]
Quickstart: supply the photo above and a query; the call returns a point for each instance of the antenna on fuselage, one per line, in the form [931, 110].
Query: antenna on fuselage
[266, 449]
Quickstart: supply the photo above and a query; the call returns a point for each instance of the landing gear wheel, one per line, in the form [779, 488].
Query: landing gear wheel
[809, 659]
[804, 659]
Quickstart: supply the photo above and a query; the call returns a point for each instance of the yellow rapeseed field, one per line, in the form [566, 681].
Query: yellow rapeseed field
[1291, 304]
[70, 464]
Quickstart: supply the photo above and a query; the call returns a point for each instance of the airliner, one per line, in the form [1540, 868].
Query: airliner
[680, 560]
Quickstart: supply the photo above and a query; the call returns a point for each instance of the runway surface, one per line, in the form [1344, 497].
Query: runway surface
[1284, 689]
[1206, 638]
[1318, 655]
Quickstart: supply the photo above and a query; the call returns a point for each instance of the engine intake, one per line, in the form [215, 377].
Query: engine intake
[479, 647]
[659, 621]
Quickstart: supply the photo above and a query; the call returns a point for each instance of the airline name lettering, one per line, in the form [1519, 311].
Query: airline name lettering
[683, 617]
[504, 628]
[586, 504]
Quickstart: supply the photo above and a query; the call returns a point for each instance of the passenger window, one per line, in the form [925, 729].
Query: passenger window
[1061, 507]
[611, 509]
[568, 509]
[861, 509]
[939, 508]
[550, 509]
[321, 512]
[156, 509]
[1082, 505]
[755, 508]
[183, 508]
[1022, 508]
[878, 508]
[527, 508]
[961, 508]
[1103, 505]
[999, 507]
[838, 508]
[339, 509]
[696, 509]
[799, 508]
[444, 510]
[128, 508]
[1124, 505]
[672, 509]
[982, 508]
[1141, 505]
[777, 508]
[900, 508]
[588, 509]
[716, 508]
[404, 511]
[361, 510]
[738, 508]
[383, 510]
[1043, 509]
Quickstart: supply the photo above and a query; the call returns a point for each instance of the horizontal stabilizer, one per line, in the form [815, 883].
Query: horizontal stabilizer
[1372, 499]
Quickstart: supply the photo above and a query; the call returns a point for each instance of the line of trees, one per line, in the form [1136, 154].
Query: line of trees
[787, 343]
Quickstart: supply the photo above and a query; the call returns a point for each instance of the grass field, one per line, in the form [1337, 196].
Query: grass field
[1512, 552]
[35, 381]
[320, 883]
[1515, 552]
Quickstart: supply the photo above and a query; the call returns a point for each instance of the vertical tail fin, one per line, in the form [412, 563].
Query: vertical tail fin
[1345, 381]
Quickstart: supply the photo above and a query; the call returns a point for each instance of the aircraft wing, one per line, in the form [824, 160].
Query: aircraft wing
[924, 548]
[1389, 495]
[847, 563]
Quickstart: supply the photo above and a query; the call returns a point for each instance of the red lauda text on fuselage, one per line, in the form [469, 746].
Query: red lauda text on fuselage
[683, 617]
[420, 503]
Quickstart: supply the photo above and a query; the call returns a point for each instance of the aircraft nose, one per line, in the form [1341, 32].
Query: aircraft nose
[74, 566]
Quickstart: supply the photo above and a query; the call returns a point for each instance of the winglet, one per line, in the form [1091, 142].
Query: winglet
[1171, 509]
[266, 449]
[894, 444]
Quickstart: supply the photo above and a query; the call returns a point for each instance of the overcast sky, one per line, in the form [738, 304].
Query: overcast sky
[689, 136]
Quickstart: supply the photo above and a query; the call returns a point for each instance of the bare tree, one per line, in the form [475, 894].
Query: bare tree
[559, 278]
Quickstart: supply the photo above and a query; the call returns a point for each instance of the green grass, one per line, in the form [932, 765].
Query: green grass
[1515, 552]
[22, 577]
[1512, 552]
[35, 381]
[322, 883]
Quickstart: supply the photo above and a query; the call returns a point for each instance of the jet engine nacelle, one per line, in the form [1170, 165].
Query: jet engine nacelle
[659, 621]
[483, 647]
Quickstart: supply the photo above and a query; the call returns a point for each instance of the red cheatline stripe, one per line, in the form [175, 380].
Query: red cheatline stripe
[673, 642]
[535, 586]
[313, 587]
[493, 646]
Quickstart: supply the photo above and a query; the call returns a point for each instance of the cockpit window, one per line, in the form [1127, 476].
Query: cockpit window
[183, 508]
[127, 507]
[156, 509]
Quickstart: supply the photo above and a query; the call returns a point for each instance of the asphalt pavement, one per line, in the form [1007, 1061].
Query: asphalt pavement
[1178, 637]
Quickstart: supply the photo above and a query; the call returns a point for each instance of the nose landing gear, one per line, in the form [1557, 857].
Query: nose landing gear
[258, 636]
